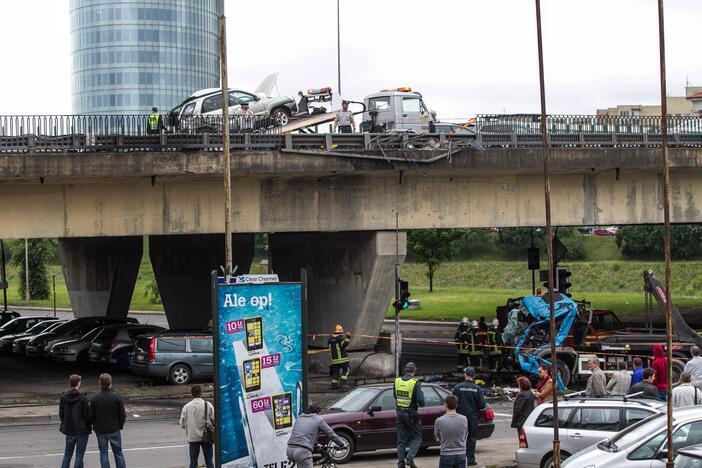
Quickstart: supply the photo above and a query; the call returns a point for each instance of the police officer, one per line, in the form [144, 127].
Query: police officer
[339, 358]
[470, 402]
[409, 397]
[154, 123]
[462, 339]
[493, 349]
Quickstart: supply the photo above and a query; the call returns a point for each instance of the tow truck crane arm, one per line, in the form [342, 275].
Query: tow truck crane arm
[680, 326]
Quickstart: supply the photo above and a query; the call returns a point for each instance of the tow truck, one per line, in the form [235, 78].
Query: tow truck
[398, 110]
[582, 333]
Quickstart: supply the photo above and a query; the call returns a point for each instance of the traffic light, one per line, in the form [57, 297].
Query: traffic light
[563, 283]
[403, 302]
[543, 277]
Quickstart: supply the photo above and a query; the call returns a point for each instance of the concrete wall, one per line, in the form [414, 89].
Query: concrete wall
[350, 278]
[100, 273]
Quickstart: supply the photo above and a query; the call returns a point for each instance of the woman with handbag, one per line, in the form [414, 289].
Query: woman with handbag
[197, 418]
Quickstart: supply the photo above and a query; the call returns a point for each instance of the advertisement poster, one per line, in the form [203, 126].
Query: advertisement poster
[259, 371]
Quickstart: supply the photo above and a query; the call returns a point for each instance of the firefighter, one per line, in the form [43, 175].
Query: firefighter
[475, 351]
[493, 345]
[462, 339]
[154, 123]
[339, 358]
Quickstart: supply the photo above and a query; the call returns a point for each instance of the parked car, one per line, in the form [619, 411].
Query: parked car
[643, 444]
[74, 350]
[7, 340]
[606, 231]
[366, 418]
[582, 422]
[178, 357]
[114, 343]
[690, 457]
[208, 102]
[20, 325]
[19, 345]
[7, 315]
[41, 344]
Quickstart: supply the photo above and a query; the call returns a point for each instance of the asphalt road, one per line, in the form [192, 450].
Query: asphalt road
[150, 442]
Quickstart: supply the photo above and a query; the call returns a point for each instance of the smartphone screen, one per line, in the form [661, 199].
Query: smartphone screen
[254, 333]
[252, 375]
[282, 410]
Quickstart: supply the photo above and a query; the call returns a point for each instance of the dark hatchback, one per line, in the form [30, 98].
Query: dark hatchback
[366, 418]
[19, 345]
[7, 340]
[21, 325]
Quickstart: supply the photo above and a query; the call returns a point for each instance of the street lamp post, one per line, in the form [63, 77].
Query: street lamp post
[227, 162]
[338, 47]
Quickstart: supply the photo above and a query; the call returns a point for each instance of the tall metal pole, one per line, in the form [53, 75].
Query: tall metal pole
[398, 336]
[3, 276]
[666, 231]
[338, 47]
[26, 271]
[53, 277]
[549, 240]
[228, 260]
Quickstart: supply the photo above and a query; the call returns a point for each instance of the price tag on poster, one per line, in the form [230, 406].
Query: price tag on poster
[259, 371]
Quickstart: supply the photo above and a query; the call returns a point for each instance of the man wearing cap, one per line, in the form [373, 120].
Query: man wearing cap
[470, 402]
[408, 397]
[338, 357]
[344, 119]
[247, 118]
[154, 123]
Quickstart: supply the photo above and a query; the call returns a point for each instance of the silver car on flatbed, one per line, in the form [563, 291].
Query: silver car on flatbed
[582, 422]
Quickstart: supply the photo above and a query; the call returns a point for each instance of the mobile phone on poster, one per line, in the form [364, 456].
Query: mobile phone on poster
[282, 410]
[254, 333]
[252, 375]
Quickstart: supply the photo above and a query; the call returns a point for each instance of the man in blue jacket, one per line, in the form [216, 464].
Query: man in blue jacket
[470, 402]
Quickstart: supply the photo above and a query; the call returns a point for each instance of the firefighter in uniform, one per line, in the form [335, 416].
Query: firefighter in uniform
[409, 397]
[339, 358]
[493, 343]
[153, 123]
[475, 351]
[462, 339]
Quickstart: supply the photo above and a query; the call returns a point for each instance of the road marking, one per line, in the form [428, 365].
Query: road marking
[46, 455]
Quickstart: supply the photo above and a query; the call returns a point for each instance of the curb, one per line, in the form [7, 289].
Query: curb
[53, 418]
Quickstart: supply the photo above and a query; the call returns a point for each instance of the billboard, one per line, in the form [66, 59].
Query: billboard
[259, 370]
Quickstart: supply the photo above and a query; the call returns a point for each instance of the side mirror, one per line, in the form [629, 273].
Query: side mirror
[663, 454]
[373, 409]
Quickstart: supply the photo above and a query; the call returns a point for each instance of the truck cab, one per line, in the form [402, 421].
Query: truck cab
[399, 109]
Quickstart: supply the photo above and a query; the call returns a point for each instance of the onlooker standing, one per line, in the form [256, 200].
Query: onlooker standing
[195, 416]
[646, 385]
[685, 394]
[620, 382]
[694, 367]
[247, 118]
[637, 375]
[544, 387]
[597, 383]
[107, 415]
[450, 430]
[470, 402]
[344, 119]
[74, 413]
[523, 404]
[660, 367]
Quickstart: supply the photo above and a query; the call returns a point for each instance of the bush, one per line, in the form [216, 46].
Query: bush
[647, 241]
[518, 240]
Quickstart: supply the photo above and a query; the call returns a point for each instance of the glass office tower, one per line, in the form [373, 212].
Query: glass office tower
[131, 55]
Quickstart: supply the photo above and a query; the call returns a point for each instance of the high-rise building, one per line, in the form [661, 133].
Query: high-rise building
[131, 55]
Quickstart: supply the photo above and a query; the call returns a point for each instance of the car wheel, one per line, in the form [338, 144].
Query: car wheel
[280, 116]
[548, 462]
[343, 454]
[564, 370]
[180, 374]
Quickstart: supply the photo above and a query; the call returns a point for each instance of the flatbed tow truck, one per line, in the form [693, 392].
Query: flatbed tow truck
[582, 333]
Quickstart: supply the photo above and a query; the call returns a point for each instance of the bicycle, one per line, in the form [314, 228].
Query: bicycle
[325, 461]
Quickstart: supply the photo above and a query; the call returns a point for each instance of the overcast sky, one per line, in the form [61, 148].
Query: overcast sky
[466, 57]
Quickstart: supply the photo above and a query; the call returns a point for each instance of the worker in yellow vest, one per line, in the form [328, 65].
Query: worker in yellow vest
[154, 122]
[408, 397]
[338, 357]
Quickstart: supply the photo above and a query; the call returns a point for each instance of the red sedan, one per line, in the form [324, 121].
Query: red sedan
[366, 418]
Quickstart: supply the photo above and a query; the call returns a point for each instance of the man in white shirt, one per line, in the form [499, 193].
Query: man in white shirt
[344, 119]
[685, 394]
[192, 419]
[694, 367]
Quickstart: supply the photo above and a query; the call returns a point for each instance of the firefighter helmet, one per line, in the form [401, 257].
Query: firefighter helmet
[338, 328]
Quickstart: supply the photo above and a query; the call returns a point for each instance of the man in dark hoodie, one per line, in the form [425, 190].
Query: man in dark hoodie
[74, 413]
[660, 366]
[107, 414]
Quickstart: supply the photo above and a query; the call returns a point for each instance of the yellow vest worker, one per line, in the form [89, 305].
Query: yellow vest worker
[408, 397]
[153, 123]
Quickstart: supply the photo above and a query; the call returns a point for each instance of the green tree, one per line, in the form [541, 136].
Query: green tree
[647, 241]
[40, 252]
[517, 240]
[432, 247]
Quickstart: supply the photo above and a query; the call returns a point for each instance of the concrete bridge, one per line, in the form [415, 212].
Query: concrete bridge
[332, 212]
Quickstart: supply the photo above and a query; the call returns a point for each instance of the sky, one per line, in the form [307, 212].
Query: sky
[465, 56]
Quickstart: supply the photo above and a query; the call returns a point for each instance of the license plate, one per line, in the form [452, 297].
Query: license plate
[140, 358]
[93, 356]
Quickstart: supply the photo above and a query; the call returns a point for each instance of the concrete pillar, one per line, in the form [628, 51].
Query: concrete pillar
[100, 273]
[182, 265]
[350, 277]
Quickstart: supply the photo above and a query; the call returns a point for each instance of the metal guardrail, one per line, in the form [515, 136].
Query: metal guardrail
[26, 134]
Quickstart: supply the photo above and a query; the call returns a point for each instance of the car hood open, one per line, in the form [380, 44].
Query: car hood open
[266, 87]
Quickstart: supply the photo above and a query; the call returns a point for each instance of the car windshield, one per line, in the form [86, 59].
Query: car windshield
[633, 433]
[355, 400]
[11, 325]
[91, 334]
[65, 327]
[54, 326]
[41, 326]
